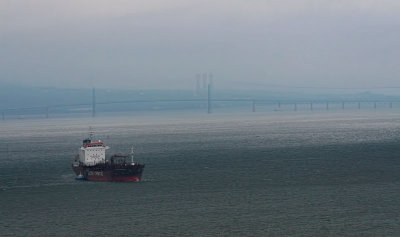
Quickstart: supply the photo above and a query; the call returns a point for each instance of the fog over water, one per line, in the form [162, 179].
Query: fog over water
[253, 118]
[163, 44]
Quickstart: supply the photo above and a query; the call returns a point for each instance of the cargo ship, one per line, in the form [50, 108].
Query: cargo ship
[92, 164]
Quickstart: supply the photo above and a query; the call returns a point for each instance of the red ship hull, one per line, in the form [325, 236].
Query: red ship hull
[109, 173]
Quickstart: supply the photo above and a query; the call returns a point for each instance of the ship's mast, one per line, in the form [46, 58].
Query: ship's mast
[91, 133]
[132, 156]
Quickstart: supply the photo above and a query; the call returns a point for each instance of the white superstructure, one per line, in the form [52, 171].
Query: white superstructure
[92, 153]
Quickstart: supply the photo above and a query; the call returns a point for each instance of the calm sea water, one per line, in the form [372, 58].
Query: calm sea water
[280, 174]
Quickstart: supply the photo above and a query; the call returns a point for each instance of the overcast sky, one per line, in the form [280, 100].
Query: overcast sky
[140, 44]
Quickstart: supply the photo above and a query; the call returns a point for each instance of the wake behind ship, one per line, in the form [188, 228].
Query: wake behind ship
[91, 164]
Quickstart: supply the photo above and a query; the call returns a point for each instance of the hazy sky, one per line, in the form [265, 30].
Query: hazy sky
[163, 43]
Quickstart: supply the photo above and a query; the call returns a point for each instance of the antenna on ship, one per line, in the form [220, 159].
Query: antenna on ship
[132, 156]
